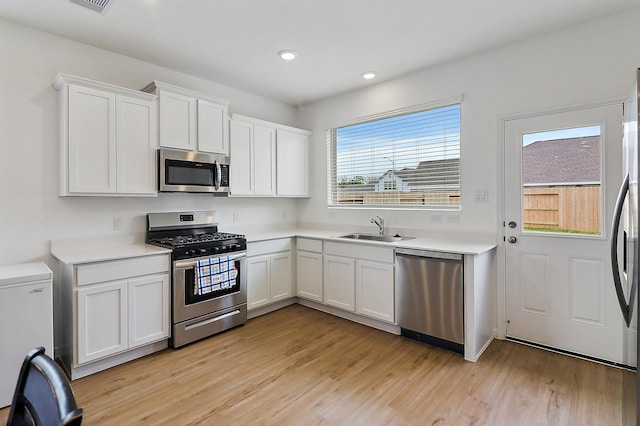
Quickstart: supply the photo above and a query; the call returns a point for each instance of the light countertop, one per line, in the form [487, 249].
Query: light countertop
[98, 250]
[453, 244]
[24, 272]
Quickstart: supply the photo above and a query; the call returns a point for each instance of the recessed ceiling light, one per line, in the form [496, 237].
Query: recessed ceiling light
[368, 75]
[287, 55]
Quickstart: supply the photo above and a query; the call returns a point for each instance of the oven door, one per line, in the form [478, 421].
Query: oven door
[194, 295]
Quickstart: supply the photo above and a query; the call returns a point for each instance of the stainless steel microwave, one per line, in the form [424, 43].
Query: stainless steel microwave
[188, 171]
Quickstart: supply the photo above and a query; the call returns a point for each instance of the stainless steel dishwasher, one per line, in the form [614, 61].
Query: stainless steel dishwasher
[431, 297]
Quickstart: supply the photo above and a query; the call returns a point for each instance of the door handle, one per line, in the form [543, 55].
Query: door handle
[512, 239]
[625, 307]
[512, 224]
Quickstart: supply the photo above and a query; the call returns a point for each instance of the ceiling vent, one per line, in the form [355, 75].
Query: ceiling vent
[97, 5]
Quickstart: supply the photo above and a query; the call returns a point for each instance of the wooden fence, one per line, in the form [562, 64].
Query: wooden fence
[563, 208]
[413, 198]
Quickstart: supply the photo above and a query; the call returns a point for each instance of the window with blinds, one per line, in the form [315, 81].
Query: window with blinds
[406, 159]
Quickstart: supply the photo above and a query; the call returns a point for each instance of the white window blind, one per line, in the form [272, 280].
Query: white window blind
[409, 159]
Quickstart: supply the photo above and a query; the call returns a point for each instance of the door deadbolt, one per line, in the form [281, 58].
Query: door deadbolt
[512, 239]
[512, 224]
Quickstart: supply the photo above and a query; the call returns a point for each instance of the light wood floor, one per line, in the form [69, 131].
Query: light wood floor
[298, 366]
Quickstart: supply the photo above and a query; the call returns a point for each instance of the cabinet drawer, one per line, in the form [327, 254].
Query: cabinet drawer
[308, 244]
[360, 251]
[270, 246]
[121, 269]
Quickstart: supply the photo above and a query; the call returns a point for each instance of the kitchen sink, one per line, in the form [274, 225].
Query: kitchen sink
[376, 237]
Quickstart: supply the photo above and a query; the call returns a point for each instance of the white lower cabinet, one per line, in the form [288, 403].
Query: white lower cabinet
[269, 276]
[375, 291]
[360, 278]
[121, 315]
[148, 305]
[309, 269]
[102, 320]
[339, 282]
[112, 311]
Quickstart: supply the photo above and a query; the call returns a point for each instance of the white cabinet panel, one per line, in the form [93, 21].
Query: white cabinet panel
[91, 141]
[269, 279]
[281, 277]
[264, 160]
[101, 320]
[253, 159]
[148, 306]
[177, 121]
[375, 295]
[339, 282]
[309, 275]
[258, 279]
[212, 128]
[136, 146]
[241, 157]
[292, 164]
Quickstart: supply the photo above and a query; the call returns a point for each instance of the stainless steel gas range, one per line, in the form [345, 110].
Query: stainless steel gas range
[209, 287]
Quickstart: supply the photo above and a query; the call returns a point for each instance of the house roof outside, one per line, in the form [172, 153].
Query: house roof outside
[429, 174]
[562, 161]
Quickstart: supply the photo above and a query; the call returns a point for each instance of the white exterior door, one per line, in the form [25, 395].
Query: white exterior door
[558, 285]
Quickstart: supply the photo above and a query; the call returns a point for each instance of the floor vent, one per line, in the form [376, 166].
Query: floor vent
[97, 5]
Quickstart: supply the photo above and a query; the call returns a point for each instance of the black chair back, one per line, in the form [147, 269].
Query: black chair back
[43, 395]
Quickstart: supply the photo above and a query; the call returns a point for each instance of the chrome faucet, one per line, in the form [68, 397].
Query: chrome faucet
[379, 222]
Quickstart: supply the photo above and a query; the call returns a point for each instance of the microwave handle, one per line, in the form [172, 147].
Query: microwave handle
[218, 175]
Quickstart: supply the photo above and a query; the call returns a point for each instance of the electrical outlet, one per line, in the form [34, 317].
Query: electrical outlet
[117, 224]
[482, 195]
[235, 217]
[436, 218]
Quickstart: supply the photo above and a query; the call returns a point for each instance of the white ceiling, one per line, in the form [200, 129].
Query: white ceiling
[235, 42]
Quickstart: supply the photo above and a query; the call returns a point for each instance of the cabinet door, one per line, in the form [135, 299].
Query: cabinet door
[309, 275]
[292, 164]
[136, 145]
[339, 282]
[258, 276]
[281, 276]
[101, 320]
[212, 123]
[375, 296]
[92, 141]
[177, 121]
[264, 160]
[148, 306]
[241, 157]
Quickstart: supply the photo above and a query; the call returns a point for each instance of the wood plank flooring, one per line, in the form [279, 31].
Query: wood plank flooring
[299, 366]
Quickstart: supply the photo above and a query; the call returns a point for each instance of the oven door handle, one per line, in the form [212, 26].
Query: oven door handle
[192, 263]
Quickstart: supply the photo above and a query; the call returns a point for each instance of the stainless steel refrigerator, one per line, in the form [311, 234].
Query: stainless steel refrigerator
[624, 256]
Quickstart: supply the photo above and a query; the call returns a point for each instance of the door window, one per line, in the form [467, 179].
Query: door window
[561, 181]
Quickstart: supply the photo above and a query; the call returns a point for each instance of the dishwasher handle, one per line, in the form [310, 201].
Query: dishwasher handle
[427, 253]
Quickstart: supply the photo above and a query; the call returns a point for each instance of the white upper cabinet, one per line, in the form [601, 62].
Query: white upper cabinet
[292, 176]
[191, 120]
[213, 125]
[108, 139]
[177, 121]
[253, 159]
[268, 159]
[136, 139]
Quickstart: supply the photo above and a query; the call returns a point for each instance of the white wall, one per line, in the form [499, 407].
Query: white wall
[588, 63]
[31, 213]
[585, 64]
